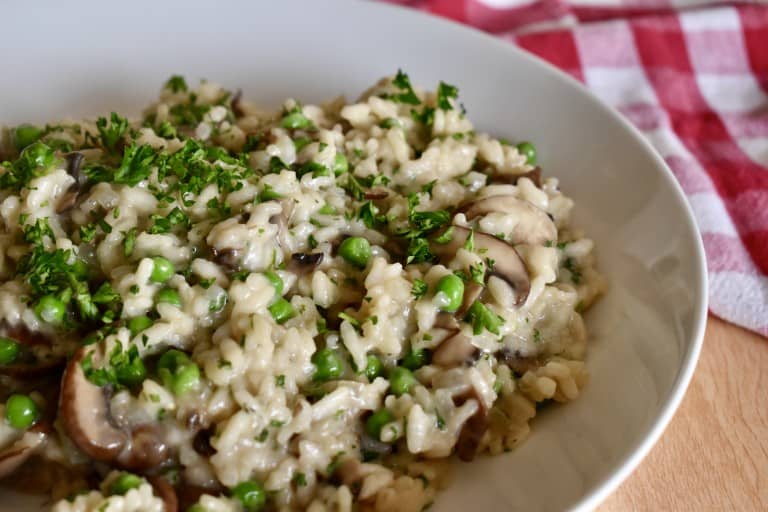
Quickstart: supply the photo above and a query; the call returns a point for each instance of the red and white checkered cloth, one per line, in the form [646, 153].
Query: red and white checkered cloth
[694, 79]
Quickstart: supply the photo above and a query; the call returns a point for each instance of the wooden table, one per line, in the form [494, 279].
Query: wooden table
[714, 454]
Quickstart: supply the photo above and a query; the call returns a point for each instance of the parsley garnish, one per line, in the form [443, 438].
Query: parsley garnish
[402, 82]
[419, 288]
[483, 318]
[112, 133]
[445, 93]
[176, 83]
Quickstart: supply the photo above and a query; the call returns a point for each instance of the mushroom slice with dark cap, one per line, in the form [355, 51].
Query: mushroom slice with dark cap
[507, 264]
[534, 227]
[84, 412]
[164, 491]
[474, 428]
[454, 350]
[304, 262]
[12, 457]
[74, 169]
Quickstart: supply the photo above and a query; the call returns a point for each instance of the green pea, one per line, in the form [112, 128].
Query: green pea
[169, 296]
[356, 250]
[138, 324]
[281, 310]
[275, 281]
[295, 120]
[21, 411]
[9, 350]
[340, 164]
[38, 155]
[452, 288]
[251, 494]
[373, 367]
[50, 309]
[415, 359]
[401, 381]
[376, 422]
[529, 151]
[328, 365]
[124, 483]
[162, 271]
[132, 374]
[187, 379]
[178, 372]
[26, 134]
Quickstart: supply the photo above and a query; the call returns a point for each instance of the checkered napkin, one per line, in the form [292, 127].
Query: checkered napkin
[692, 75]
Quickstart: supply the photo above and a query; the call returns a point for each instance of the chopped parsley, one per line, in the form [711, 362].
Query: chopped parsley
[407, 95]
[419, 288]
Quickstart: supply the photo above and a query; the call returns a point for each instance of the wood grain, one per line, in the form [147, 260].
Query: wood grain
[714, 454]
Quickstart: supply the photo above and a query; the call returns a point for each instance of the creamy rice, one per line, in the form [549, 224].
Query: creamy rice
[305, 309]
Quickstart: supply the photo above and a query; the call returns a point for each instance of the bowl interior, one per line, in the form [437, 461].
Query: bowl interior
[645, 333]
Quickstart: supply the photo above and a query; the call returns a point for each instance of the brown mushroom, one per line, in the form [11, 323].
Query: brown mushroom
[517, 362]
[534, 226]
[147, 449]
[511, 179]
[472, 292]
[507, 264]
[304, 262]
[188, 494]
[74, 169]
[164, 491]
[474, 428]
[376, 194]
[12, 457]
[471, 434]
[229, 258]
[84, 412]
[453, 351]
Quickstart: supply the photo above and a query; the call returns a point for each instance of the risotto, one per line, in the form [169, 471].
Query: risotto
[215, 308]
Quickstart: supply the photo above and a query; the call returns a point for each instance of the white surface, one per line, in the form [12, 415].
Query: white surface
[76, 58]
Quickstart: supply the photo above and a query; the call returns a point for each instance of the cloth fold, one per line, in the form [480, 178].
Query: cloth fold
[692, 75]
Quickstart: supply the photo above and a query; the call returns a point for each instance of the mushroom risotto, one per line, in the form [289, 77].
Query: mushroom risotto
[214, 308]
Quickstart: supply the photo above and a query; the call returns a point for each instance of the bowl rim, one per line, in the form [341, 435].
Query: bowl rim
[637, 452]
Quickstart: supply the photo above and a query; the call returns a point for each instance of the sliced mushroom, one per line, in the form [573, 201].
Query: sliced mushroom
[12, 457]
[471, 434]
[84, 413]
[350, 471]
[147, 449]
[304, 262]
[229, 258]
[507, 264]
[472, 292]
[202, 442]
[376, 194]
[534, 226]
[164, 491]
[517, 362]
[447, 321]
[474, 428]
[74, 169]
[511, 179]
[455, 350]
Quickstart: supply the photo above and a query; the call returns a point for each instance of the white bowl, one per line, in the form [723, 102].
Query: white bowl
[80, 58]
